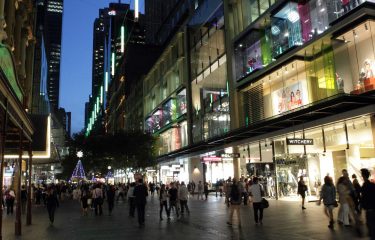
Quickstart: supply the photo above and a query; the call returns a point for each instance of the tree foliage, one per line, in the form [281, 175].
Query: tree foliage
[122, 150]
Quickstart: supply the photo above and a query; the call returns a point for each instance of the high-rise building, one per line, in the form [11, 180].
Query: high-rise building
[156, 11]
[52, 29]
[108, 39]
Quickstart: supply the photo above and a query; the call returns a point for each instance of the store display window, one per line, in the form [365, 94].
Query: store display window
[285, 89]
[181, 103]
[169, 112]
[149, 124]
[355, 59]
[285, 30]
[157, 119]
[173, 139]
[252, 53]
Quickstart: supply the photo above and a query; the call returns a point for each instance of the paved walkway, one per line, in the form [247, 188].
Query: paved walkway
[283, 220]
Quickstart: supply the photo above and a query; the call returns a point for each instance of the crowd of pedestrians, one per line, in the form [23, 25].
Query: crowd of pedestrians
[348, 195]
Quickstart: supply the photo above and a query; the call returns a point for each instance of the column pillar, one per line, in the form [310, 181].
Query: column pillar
[17, 223]
[236, 165]
[10, 21]
[2, 147]
[30, 170]
[3, 34]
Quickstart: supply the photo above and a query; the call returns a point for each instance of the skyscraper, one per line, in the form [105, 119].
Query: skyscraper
[52, 28]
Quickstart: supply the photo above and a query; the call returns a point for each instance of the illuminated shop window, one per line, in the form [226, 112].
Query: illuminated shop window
[355, 59]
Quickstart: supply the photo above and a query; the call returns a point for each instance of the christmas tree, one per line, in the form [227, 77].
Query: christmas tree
[78, 171]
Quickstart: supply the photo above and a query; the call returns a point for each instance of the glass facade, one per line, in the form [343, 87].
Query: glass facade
[291, 26]
[165, 99]
[173, 139]
[210, 99]
[355, 59]
[291, 86]
[330, 152]
[166, 76]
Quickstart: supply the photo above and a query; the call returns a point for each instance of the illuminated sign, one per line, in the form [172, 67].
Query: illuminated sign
[211, 159]
[230, 155]
[112, 13]
[299, 141]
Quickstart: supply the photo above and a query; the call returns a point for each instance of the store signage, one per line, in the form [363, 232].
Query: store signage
[299, 141]
[285, 162]
[212, 159]
[230, 155]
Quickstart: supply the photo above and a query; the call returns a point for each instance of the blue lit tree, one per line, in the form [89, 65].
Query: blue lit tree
[78, 172]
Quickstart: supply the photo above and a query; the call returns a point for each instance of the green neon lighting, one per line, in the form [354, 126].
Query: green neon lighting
[106, 82]
[228, 88]
[122, 39]
[101, 94]
[8, 68]
[113, 64]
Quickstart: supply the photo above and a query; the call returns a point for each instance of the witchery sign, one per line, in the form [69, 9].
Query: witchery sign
[299, 141]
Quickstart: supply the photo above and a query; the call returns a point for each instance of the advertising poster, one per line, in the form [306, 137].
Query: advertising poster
[289, 97]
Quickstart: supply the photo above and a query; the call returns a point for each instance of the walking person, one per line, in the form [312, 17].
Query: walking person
[84, 201]
[345, 201]
[192, 188]
[140, 194]
[256, 191]
[328, 195]
[301, 190]
[205, 190]
[10, 196]
[173, 195]
[97, 195]
[52, 203]
[23, 199]
[356, 199]
[131, 200]
[183, 196]
[200, 190]
[163, 197]
[368, 201]
[235, 202]
[111, 192]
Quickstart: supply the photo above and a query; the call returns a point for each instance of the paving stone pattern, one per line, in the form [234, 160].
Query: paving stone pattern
[283, 220]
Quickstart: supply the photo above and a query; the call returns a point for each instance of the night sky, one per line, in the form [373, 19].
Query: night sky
[76, 62]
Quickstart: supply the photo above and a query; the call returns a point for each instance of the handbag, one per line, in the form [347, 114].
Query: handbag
[89, 201]
[335, 204]
[264, 203]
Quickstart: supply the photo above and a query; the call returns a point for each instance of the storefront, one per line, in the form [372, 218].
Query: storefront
[286, 28]
[312, 153]
[173, 171]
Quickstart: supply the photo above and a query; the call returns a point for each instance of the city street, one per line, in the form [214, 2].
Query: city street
[283, 220]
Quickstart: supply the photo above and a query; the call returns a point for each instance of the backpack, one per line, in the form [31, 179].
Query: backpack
[234, 193]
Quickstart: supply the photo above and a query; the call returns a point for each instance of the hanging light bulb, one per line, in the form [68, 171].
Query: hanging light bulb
[355, 34]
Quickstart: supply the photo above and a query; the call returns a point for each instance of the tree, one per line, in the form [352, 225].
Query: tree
[122, 150]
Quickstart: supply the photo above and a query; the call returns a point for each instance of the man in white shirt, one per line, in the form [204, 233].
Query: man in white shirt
[256, 191]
